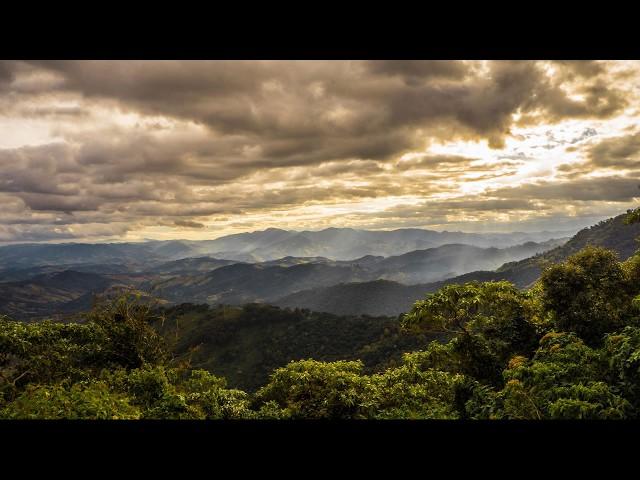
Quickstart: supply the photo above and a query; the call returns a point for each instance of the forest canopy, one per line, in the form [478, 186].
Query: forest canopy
[567, 348]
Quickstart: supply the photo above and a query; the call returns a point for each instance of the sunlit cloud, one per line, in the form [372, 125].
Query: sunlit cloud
[104, 151]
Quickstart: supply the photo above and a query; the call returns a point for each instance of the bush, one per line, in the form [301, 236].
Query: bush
[80, 401]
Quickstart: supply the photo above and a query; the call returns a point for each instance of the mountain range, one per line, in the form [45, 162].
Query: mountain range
[62, 289]
[392, 298]
[267, 245]
[270, 281]
[348, 243]
[43, 280]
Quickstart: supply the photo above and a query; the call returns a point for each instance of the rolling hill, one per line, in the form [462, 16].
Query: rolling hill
[58, 292]
[268, 245]
[378, 297]
[41, 290]
[348, 243]
[268, 281]
[41, 280]
[392, 298]
[133, 255]
[244, 344]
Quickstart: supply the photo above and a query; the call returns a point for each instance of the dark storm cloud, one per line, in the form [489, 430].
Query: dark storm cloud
[621, 152]
[607, 189]
[59, 203]
[187, 224]
[269, 101]
[467, 206]
[6, 72]
[600, 101]
[35, 169]
[414, 71]
[482, 108]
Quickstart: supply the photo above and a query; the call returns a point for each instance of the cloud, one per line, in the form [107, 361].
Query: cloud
[171, 144]
[434, 161]
[320, 103]
[417, 71]
[6, 73]
[188, 224]
[621, 152]
[606, 189]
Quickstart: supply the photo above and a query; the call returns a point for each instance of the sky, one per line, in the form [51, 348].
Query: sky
[94, 151]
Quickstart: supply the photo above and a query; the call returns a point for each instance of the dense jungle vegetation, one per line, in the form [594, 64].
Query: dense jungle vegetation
[567, 348]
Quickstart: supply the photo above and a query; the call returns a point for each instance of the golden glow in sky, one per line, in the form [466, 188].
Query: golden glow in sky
[124, 151]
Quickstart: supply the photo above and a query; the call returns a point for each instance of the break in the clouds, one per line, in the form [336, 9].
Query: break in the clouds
[126, 150]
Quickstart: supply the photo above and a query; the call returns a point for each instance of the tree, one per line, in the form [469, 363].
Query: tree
[311, 389]
[168, 393]
[131, 341]
[633, 216]
[489, 323]
[81, 401]
[565, 379]
[622, 353]
[116, 335]
[414, 392]
[46, 352]
[589, 294]
[568, 348]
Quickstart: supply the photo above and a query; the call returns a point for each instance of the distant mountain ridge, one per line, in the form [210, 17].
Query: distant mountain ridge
[393, 298]
[269, 281]
[267, 245]
[59, 292]
[348, 243]
[40, 280]
[45, 289]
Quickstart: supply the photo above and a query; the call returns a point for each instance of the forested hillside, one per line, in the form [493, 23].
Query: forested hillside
[392, 298]
[567, 348]
[63, 292]
[49, 289]
[270, 281]
[246, 344]
[381, 297]
[612, 234]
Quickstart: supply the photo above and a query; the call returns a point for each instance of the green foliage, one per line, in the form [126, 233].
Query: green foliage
[80, 401]
[117, 335]
[163, 393]
[312, 389]
[211, 397]
[46, 352]
[565, 379]
[413, 392]
[131, 341]
[246, 344]
[633, 216]
[338, 390]
[112, 366]
[589, 294]
[568, 348]
[622, 352]
[631, 267]
[490, 322]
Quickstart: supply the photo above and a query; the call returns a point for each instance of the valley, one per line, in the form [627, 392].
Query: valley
[54, 280]
[40, 281]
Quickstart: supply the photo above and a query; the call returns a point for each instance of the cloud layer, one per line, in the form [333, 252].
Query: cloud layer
[96, 150]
